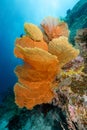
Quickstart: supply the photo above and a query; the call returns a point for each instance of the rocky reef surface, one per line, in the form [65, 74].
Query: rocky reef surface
[77, 18]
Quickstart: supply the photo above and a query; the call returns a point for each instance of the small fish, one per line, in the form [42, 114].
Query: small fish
[21, 35]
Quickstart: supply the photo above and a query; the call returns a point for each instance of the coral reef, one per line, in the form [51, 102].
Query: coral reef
[81, 43]
[54, 72]
[81, 36]
[72, 84]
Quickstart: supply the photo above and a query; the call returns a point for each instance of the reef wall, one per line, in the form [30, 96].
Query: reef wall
[77, 18]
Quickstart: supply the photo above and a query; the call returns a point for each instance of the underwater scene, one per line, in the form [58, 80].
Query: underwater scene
[43, 65]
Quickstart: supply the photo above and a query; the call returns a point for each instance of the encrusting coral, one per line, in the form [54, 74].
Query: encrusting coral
[42, 63]
[62, 49]
[81, 43]
[81, 36]
[72, 83]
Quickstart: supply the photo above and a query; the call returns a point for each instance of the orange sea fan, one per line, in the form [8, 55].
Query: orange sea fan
[33, 31]
[25, 41]
[54, 28]
[64, 51]
[50, 22]
[35, 76]
[36, 57]
[25, 97]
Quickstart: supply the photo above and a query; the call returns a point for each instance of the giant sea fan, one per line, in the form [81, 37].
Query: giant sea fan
[36, 78]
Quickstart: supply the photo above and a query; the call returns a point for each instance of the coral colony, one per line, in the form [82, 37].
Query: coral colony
[54, 71]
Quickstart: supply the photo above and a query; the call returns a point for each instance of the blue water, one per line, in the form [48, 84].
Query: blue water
[13, 14]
